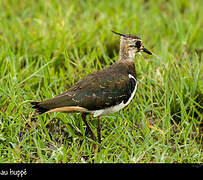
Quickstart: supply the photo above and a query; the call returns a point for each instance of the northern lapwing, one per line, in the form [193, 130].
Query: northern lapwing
[103, 92]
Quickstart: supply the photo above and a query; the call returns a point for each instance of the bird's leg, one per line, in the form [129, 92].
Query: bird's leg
[99, 130]
[88, 127]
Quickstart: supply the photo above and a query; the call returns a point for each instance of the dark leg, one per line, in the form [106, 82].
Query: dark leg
[89, 129]
[99, 130]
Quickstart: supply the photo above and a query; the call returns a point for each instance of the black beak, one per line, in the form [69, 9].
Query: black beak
[146, 51]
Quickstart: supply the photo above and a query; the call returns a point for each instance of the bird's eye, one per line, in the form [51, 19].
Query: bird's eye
[138, 44]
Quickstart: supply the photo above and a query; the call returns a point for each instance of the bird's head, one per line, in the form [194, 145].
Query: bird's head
[130, 45]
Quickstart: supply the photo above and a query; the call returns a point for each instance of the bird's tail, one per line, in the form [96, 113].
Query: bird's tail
[39, 109]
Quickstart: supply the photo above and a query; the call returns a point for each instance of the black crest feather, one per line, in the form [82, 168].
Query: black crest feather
[132, 36]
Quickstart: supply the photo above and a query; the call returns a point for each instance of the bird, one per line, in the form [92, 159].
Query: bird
[103, 92]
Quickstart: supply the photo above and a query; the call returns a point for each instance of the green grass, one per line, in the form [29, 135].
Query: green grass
[47, 46]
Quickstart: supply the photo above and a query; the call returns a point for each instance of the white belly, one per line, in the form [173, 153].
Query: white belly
[115, 108]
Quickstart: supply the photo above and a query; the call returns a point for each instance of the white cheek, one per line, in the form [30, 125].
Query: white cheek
[132, 53]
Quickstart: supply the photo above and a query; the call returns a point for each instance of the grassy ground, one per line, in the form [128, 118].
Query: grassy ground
[46, 46]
